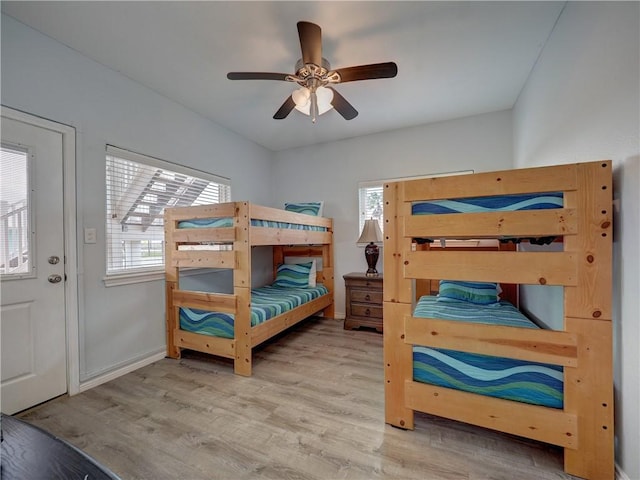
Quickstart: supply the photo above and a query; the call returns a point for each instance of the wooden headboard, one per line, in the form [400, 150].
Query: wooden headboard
[431, 286]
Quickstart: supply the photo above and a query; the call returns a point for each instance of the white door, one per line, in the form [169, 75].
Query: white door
[32, 267]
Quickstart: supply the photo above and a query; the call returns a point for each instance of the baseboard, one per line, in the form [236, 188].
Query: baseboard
[620, 475]
[107, 377]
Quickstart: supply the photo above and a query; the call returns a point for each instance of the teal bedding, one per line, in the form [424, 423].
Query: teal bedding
[266, 302]
[228, 222]
[511, 379]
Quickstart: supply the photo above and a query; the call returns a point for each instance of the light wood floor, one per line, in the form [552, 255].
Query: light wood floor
[313, 409]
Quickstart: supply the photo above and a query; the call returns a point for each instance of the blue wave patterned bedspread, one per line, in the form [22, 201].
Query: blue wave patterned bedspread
[502, 203]
[511, 379]
[266, 302]
[228, 222]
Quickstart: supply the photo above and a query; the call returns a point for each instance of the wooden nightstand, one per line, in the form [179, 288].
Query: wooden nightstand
[364, 301]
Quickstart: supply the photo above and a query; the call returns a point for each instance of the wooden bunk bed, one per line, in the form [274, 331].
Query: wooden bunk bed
[582, 423]
[221, 236]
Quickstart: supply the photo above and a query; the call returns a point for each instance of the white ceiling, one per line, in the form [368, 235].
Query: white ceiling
[454, 59]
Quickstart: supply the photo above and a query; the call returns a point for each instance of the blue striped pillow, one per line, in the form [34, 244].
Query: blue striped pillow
[308, 208]
[293, 276]
[479, 293]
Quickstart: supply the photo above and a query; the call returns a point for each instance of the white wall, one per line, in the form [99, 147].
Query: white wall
[118, 325]
[331, 172]
[582, 103]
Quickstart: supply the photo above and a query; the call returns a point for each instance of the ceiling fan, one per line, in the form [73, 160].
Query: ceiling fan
[314, 75]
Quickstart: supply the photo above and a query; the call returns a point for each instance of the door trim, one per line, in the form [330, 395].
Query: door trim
[70, 237]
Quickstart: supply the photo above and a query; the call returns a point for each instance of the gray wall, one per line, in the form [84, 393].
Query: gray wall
[331, 172]
[581, 103]
[118, 325]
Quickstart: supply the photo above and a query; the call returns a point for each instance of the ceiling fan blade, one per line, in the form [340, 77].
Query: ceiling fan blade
[341, 105]
[285, 109]
[368, 72]
[310, 42]
[257, 76]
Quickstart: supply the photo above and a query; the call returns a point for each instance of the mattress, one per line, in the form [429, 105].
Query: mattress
[502, 203]
[228, 222]
[266, 302]
[506, 378]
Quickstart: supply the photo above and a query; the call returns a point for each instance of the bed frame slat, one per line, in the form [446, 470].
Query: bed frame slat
[507, 182]
[548, 425]
[540, 223]
[542, 268]
[547, 346]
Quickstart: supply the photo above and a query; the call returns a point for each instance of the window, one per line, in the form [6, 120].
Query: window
[15, 218]
[370, 201]
[139, 188]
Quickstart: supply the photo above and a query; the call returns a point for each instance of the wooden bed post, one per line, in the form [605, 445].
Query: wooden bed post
[242, 290]
[172, 280]
[328, 275]
[397, 302]
[589, 386]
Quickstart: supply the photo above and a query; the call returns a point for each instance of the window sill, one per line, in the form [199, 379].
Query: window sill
[130, 278]
[141, 277]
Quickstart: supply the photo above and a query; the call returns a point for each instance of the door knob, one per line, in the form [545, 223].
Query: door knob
[54, 278]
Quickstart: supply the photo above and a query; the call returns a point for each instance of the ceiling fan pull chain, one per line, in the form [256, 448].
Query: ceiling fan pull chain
[314, 106]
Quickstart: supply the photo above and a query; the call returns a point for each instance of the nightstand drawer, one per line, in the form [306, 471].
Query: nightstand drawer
[366, 283]
[366, 311]
[364, 296]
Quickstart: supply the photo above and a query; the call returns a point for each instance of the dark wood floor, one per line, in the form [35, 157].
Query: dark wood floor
[313, 409]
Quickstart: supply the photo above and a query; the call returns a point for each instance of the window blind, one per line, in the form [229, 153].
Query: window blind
[138, 189]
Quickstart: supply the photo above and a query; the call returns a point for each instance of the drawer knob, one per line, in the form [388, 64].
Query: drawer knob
[367, 312]
[367, 297]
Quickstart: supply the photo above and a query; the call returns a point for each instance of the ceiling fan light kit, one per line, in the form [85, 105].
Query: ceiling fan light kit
[314, 75]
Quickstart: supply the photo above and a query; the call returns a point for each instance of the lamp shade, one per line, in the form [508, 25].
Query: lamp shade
[371, 232]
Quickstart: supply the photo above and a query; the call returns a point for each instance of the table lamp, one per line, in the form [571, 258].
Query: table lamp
[371, 234]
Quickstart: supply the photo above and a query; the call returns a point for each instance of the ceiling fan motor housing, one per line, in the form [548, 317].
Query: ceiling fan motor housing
[308, 71]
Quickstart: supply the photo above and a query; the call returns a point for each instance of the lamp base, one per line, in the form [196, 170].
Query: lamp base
[371, 253]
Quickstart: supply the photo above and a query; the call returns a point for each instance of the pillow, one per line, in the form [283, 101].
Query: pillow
[479, 293]
[293, 276]
[298, 260]
[308, 208]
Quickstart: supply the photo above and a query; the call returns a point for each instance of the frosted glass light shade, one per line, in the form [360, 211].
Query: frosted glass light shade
[302, 95]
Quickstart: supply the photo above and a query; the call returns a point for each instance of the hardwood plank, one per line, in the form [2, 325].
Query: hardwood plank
[313, 409]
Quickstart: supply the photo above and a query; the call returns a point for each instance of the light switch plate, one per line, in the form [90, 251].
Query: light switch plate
[90, 235]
